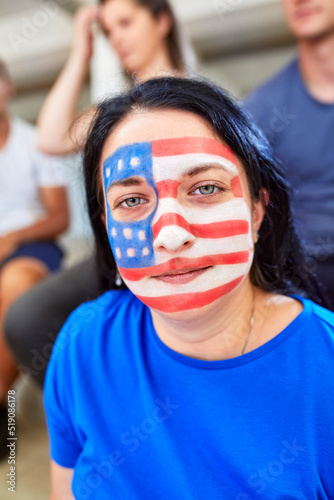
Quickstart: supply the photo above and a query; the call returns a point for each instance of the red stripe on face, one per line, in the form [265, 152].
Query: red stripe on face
[191, 145]
[181, 264]
[222, 229]
[236, 187]
[186, 301]
[214, 230]
[167, 189]
[170, 219]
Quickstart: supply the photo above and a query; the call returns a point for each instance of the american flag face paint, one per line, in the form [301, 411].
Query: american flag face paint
[177, 250]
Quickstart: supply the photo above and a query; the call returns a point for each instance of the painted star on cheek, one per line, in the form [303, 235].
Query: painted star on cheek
[129, 239]
[217, 237]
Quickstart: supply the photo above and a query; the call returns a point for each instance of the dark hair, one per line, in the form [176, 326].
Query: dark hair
[158, 7]
[279, 262]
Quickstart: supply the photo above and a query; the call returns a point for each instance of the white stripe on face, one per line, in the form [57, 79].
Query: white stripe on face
[211, 278]
[174, 167]
[208, 246]
[235, 209]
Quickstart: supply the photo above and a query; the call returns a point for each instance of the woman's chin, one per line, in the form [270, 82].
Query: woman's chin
[186, 313]
[130, 66]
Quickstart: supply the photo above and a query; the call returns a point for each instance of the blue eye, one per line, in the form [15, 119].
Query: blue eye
[132, 202]
[207, 189]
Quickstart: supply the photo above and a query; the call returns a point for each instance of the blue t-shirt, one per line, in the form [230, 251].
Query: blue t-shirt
[137, 420]
[301, 130]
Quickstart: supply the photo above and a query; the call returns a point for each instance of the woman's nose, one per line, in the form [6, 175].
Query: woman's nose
[173, 239]
[115, 39]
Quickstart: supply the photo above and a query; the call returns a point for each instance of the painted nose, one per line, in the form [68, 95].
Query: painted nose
[173, 239]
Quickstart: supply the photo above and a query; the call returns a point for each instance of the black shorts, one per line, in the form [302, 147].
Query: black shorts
[47, 252]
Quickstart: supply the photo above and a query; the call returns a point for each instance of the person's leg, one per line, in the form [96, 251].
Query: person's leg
[16, 278]
[33, 322]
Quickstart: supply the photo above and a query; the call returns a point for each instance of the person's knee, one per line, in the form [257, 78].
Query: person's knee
[19, 330]
[33, 319]
[15, 325]
[18, 276]
[9, 279]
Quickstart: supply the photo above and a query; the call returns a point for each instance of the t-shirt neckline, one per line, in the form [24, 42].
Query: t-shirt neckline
[306, 91]
[249, 357]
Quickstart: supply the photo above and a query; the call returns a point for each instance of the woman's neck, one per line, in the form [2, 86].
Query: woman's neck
[217, 331]
[317, 67]
[224, 330]
[159, 66]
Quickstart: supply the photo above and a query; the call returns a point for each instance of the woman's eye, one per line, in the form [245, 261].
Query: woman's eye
[132, 202]
[207, 189]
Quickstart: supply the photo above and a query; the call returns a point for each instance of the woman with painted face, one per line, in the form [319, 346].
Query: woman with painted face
[211, 375]
[146, 38]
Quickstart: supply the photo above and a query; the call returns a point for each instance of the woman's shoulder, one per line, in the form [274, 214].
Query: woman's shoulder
[316, 322]
[111, 305]
[94, 321]
[321, 314]
[276, 313]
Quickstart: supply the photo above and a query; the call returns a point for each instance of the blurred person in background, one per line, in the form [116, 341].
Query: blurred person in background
[33, 212]
[296, 110]
[145, 37]
[148, 42]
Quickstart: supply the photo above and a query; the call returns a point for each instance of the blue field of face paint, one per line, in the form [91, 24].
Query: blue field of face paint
[131, 242]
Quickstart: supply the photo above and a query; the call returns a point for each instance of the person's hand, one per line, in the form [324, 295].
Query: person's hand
[82, 33]
[8, 245]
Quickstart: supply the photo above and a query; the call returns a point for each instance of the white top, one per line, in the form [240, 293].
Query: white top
[107, 76]
[24, 169]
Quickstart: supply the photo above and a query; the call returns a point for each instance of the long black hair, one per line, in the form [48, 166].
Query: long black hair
[279, 264]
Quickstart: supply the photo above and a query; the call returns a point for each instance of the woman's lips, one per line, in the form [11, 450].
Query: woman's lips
[180, 277]
[304, 13]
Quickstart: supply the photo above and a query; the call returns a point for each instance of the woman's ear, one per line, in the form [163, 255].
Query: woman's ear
[259, 210]
[164, 22]
[103, 219]
[264, 195]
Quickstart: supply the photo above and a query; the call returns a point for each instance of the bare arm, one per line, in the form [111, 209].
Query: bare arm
[56, 134]
[61, 480]
[48, 227]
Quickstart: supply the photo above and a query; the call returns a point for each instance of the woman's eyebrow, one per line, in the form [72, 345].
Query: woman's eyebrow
[129, 181]
[203, 168]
